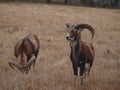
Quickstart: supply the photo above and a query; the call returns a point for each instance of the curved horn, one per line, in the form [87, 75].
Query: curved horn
[16, 65]
[83, 26]
[32, 59]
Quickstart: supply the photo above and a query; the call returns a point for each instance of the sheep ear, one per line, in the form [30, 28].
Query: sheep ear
[66, 29]
[68, 25]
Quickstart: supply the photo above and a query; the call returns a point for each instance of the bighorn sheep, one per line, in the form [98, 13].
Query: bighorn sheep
[82, 53]
[26, 51]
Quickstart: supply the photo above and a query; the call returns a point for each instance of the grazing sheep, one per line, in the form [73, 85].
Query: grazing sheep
[26, 51]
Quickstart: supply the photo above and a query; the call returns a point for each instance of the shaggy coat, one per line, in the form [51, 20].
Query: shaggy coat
[26, 51]
[82, 53]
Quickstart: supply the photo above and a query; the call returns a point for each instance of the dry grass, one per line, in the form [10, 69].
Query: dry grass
[53, 69]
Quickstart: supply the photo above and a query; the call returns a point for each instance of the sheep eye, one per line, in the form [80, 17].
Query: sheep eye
[75, 31]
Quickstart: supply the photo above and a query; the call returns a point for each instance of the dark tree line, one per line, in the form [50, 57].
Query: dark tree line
[66, 1]
[94, 3]
[48, 1]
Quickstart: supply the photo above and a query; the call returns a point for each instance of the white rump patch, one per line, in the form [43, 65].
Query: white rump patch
[87, 66]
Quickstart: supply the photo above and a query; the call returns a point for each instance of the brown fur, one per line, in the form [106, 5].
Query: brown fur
[82, 53]
[26, 47]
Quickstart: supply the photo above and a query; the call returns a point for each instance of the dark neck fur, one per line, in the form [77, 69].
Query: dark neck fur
[76, 47]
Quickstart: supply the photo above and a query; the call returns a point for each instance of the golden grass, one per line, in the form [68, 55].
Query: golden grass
[53, 70]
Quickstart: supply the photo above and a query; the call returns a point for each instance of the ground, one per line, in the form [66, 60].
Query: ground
[53, 70]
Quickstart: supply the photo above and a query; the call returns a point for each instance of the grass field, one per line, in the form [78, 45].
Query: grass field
[53, 70]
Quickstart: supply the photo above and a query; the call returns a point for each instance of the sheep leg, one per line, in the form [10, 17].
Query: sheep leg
[87, 68]
[82, 69]
[75, 69]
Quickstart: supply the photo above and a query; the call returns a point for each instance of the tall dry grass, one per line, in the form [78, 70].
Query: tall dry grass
[53, 70]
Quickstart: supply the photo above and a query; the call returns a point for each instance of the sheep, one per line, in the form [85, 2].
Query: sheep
[82, 53]
[26, 51]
